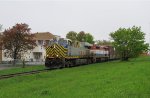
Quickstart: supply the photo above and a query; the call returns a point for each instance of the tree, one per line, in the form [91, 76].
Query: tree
[0, 38]
[81, 36]
[129, 43]
[17, 40]
[0, 27]
[72, 35]
[103, 42]
[89, 38]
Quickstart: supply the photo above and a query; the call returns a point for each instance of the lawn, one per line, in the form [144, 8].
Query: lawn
[102, 80]
[20, 69]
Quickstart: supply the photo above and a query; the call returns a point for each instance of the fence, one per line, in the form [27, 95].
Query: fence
[20, 62]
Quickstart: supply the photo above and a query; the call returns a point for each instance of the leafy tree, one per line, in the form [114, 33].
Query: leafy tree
[81, 36]
[103, 42]
[17, 40]
[72, 35]
[0, 37]
[129, 43]
[89, 38]
[0, 27]
[0, 42]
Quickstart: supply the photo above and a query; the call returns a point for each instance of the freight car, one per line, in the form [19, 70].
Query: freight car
[65, 53]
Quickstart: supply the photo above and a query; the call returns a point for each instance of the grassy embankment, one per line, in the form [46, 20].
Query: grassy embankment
[20, 69]
[104, 80]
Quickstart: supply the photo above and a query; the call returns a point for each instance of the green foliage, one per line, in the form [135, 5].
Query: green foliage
[89, 38]
[129, 43]
[72, 35]
[105, 80]
[103, 42]
[81, 36]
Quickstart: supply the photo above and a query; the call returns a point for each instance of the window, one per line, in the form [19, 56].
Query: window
[5, 54]
[40, 42]
[47, 42]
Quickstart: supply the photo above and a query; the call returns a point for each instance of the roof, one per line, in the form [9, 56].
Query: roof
[86, 44]
[43, 36]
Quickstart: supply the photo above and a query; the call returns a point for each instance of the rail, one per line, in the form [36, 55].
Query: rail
[34, 71]
[23, 73]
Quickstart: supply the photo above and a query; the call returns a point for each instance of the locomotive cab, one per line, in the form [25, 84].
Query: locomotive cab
[56, 51]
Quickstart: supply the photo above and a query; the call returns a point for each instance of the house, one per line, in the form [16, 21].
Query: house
[36, 54]
[42, 38]
[0, 55]
[0, 49]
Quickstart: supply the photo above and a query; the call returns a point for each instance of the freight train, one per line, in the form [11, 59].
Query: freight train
[65, 53]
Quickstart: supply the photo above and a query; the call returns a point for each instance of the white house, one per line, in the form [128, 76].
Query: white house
[36, 54]
[0, 49]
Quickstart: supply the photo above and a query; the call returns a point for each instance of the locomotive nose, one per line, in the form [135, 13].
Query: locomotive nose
[56, 51]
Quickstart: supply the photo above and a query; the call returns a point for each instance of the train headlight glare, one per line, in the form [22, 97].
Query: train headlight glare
[57, 55]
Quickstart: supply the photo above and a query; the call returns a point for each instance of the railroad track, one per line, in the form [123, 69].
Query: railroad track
[23, 73]
[33, 72]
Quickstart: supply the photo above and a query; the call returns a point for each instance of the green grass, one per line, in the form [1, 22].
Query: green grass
[104, 80]
[20, 69]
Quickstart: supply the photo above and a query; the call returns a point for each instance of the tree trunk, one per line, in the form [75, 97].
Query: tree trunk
[15, 57]
[23, 63]
[125, 56]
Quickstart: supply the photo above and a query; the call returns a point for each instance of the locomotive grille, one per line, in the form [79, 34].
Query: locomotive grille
[56, 50]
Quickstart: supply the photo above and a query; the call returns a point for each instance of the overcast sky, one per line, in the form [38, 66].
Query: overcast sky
[98, 17]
